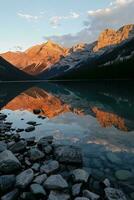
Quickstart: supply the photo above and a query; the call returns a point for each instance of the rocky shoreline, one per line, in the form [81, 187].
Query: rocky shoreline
[31, 169]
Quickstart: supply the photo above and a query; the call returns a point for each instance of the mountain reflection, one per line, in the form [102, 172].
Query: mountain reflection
[110, 106]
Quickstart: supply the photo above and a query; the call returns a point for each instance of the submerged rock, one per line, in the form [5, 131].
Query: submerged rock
[68, 154]
[44, 142]
[18, 146]
[30, 128]
[114, 194]
[49, 167]
[8, 162]
[123, 175]
[80, 175]
[24, 178]
[113, 158]
[35, 154]
[56, 182]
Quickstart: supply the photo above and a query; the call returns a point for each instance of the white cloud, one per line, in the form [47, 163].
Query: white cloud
[30, 17]
[117, 14]
[55, 21]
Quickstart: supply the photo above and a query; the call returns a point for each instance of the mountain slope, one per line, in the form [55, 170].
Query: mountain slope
[10, 73]
[37, 58]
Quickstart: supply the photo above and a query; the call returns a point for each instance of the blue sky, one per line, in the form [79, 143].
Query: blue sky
[28, 22]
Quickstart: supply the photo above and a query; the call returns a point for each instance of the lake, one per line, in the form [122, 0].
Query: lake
[97, 116]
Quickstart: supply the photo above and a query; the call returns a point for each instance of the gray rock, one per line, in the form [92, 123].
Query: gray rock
[55, 195]
[2, 116]
[106, 183]
[48, 149]
[44, 142]
[8, 162]
[76, 189]
[30, 141]
[30, 128]
[114, 194]
[55, 182]
[7, 182]
[90, 195]
[36, 167]
[49, 167]
[3, 146]
[81, 198]
[35, 154]
[24, 178]
[37, 189]
[113, 158]
[18, 146]
[33, 123]
[80, 175]
[13, 195]
[40, 179]
[68, 154]
[123, 175]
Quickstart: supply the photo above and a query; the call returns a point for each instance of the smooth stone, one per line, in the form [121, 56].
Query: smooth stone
[113, 158]
[18, 146]
[90, 195]
[40, 179]
[114, 194]
[55, 182]
[55, 195]
[7, 182]
[19, 130]
[36, 167]
[123, 174]
[24, 178]
[68, 154]
[30, 128]
[30, 141]
[48, 149]
[76, 189]
[8, 162]
[13, 195]
[3, 146]
[45, 141]
[81, 198]
[35, 154]
[49, 167]
[80, 175]
[33, 123]
[37, 189]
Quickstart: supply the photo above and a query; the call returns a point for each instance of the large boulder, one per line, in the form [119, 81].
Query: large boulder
[24, 178]
[68, 154]
[8, 162]
[7, 182]
[55, 182]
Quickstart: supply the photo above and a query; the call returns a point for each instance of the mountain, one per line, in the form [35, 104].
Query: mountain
[10, 73]
[110, 57]
[37, 58]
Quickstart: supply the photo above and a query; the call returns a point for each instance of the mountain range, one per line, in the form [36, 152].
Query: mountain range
[110, 57]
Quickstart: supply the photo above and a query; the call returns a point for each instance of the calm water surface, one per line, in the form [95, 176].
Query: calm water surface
[98, 116]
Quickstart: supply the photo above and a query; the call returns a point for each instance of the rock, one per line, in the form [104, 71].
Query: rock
[45, 141]
[81, 198]
[68, 154]
[24, 178]
[48, 149]
[35, 154]
[33, 123]
[18, 146]
[36, 167]
[13, 195]
[40, 179]
[30, 128]
[80, 175]
[30, 141]
[6, 183]
[49, 167]
[123, 174]
[106, 183]
[20, 130]
[37, 189]
[113, 158]
[55, 182]
[76, 189]
[28, 196]
[3, 146]
[16, 137]
[8, 162]
[90, 195]
[55, 195]
[114, 194]
[36, 111]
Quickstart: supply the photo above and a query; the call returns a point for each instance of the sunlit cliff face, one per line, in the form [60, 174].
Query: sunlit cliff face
[107, 119]
[36, 98]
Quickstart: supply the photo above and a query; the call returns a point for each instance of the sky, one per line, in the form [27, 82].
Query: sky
[29, 22]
